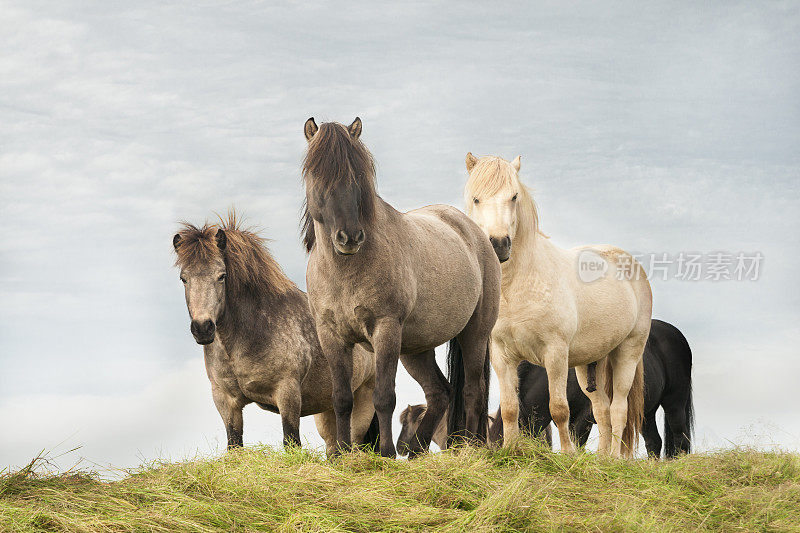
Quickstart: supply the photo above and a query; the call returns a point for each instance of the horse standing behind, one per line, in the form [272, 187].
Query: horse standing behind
[398, 283]
[667, 363]
[552, 318]
[258, 336]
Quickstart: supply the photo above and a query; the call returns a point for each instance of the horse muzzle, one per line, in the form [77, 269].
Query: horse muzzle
[403, 447]
[203, 331]
[502, 247]
[346, 244]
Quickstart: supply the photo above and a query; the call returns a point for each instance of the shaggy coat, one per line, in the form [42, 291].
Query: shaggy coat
[260, 341]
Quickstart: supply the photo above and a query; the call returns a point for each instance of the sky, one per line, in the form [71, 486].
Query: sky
[658, 128]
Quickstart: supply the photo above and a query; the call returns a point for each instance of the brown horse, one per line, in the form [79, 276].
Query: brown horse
[410, 419]
[399, 284]
[258, 335]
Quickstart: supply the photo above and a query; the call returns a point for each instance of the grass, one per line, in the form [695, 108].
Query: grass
[527, 489]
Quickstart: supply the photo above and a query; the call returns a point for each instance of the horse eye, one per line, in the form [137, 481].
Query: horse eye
[221, 277]
[183, 280]
[476, 201]
[514, 198]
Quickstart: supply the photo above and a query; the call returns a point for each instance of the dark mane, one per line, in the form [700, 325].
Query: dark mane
[334, 156]
[249, 265]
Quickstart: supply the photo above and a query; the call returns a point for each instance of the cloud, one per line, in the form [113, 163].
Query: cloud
[669, 130]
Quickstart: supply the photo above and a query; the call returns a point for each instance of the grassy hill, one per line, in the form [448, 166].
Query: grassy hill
[530, 489]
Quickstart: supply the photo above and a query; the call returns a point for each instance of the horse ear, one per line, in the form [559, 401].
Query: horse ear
[516, 163]
[355, 128]
[176, 240]
[222, 239]
[471, 160]
[310, 128]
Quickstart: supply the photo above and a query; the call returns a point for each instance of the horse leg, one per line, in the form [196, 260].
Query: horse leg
[326, 427]
[363, 410]
[601, 405]
[624, 359]
[386, 342]
[423, 368]
[652, 440]
[231, 412]
[509, 402]
[675, 419]
[288, 400]
[556, 362]
[474, 343]
[340, 361]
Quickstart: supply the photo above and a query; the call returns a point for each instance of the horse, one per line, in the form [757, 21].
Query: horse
[399, 284]
[555, 315]
[667, 362]
[410, 419]
[258, 336]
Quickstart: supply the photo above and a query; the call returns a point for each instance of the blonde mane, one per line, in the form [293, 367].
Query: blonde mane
[491, 174]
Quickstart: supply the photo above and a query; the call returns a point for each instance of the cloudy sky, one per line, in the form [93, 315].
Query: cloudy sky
[659, 129]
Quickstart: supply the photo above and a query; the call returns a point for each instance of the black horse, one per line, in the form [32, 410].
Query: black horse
[667, 384]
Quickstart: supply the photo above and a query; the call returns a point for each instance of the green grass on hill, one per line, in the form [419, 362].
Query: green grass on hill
[529, 489]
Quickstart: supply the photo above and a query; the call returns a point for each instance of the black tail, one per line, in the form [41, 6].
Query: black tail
[456, 415]
[372, 438]
[483, 424]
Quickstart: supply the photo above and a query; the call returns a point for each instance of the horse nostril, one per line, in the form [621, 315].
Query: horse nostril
[341, 237]
[507, 241]
[202, 329]
[360, 236]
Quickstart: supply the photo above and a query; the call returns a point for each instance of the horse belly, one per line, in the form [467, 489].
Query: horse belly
[447, 296]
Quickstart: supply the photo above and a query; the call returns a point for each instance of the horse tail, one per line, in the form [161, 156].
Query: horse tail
[669, 444]
[483, 420]
[633, 424]
[456, 413]
[372, 438]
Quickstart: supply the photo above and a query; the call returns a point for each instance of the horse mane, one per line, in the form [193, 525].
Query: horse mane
[249, 265]
[334, 157]
[412, 412]
[490, 175]
[197, 244]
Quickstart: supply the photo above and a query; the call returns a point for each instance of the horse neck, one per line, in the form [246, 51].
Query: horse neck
[530, 256]
[247, 312]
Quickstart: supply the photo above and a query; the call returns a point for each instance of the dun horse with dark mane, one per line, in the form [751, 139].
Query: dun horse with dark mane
[259, 338]
[399, 284]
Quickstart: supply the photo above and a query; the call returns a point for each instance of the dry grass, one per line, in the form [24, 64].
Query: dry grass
[530, 489]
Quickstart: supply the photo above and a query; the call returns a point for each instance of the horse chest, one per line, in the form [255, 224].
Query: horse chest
[221, 373]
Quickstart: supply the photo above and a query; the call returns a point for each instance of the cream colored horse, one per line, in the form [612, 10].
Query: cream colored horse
[562, 308]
